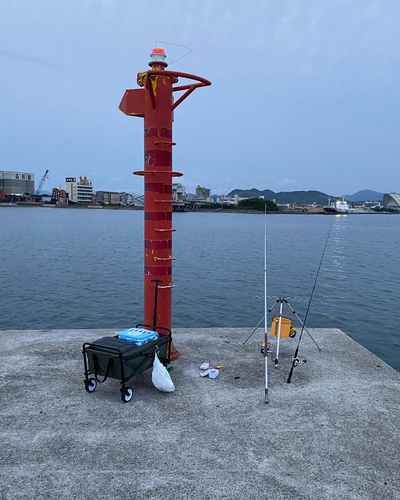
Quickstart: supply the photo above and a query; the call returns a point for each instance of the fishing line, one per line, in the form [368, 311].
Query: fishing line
[297, 299]
[295, 360]
[265, 296]
[177, 45]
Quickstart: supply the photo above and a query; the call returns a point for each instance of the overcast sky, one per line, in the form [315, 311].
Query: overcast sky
[304, 95]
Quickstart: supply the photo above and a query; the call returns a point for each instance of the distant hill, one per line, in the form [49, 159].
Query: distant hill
[307, 196]
[364, 195]
[287, 196]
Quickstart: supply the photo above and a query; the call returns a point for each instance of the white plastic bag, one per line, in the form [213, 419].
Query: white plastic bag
[160, 376]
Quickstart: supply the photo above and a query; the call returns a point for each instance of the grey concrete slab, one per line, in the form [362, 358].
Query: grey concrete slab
[332, 433]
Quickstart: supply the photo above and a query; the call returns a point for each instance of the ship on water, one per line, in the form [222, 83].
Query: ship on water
[340, 207]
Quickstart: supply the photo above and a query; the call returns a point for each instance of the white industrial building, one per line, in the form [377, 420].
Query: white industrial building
[228, 200]
[79, 192]
[391, 200]
[17, 183]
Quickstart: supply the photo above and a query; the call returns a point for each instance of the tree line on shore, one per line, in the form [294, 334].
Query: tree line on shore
[248, 204]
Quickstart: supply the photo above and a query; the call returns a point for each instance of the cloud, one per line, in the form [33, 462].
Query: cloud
[18, 56]
[287, 182]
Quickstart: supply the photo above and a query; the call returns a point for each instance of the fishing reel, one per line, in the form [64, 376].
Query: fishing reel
[263, 348]
[297, 361]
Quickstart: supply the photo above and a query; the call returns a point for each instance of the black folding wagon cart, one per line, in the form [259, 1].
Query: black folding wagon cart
[112, 357]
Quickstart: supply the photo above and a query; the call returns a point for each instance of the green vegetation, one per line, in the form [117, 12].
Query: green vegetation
[383, 209]
[258, 204]
[249, 204]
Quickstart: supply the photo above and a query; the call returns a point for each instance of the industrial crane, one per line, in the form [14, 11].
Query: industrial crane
[39, 189]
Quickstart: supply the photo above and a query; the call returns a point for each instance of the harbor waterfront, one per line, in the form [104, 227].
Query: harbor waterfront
[84, 269]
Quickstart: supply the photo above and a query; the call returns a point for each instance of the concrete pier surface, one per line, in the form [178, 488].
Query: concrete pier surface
[332, 433]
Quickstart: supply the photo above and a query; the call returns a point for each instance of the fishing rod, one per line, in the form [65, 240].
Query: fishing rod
[265, 306]
[295, 359]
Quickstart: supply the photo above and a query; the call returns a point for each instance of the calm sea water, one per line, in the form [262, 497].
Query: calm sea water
[84, 269]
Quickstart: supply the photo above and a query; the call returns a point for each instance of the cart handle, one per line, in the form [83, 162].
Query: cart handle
[158, 327]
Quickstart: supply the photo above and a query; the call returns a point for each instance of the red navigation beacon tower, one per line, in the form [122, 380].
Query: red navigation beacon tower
[154, 102]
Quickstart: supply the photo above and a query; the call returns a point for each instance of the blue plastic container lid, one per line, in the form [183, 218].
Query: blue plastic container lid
[137, 334]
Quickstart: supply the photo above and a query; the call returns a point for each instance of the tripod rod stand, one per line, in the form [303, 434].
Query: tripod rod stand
[282, 300]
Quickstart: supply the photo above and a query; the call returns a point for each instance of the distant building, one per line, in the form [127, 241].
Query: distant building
[202, 192]
[178, 192]
[127, 198]
[71, 188]
[391, 200]
[115, 198]
[109, 197]
[79, 192]
[17, 183]
[228, 200]
[203, 195]
[59, 197]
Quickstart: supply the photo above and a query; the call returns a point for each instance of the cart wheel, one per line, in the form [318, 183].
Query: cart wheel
[126, 394]
[90, 385]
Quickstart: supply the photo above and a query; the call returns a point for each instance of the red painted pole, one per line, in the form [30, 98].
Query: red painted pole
[154, 102]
